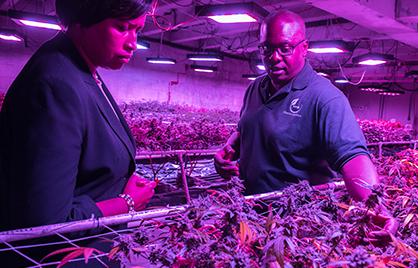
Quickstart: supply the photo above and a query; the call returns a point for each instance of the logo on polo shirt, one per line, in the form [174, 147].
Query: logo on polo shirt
[295, 106]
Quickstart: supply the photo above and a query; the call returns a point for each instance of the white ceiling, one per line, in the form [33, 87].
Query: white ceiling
[380, 26]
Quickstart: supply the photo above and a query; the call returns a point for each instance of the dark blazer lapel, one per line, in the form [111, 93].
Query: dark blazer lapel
[122, 130]
[120, 115]
[110, 116]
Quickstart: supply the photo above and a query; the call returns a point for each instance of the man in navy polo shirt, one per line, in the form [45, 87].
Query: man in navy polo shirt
[295, 125]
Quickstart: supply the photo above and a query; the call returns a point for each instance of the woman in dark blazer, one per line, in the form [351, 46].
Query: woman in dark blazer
[66, 152]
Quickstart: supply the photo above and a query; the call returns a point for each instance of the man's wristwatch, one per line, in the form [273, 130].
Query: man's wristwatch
[129, 201]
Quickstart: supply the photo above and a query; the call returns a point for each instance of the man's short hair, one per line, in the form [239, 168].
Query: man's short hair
[286, 15]
[90, 12]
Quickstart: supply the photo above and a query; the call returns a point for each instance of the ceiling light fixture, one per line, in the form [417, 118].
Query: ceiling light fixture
[34, 20]
[232, 13]
[322, 73]
[337, 46]
[373, 59]
[158, 60]
[341, 80]
[391, 92]
[261, 67]
[10, 35]
[250, 76]
[142, 45]
[375, 89]
[233, 18]
[203, 69]
[205, 57]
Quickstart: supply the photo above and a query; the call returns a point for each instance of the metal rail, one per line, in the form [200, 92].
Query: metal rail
[75, 226]
[211, 152]
[83, 225]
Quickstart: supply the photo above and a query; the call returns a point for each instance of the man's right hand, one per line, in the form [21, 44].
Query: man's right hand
[224, 164]
[141, 190]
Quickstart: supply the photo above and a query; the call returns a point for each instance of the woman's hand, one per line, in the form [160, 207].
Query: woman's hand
[141, 190]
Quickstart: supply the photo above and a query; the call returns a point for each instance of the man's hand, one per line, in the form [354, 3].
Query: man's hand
[141, 190]
[224, 164]
[385, 225]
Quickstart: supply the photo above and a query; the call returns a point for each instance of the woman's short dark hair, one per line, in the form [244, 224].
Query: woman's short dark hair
[89, 12]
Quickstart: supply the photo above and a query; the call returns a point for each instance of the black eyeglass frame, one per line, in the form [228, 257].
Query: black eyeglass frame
[269, 50]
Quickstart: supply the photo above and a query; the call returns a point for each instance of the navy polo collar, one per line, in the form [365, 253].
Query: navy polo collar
[299, 82]
[302, 79]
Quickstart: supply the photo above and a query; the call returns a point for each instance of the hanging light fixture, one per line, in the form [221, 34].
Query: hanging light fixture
[158, 59]
[373, 59]
[391, 93]
[375, 89]
[142, 45]
[261, 67]
[203, 69]
[205, 57]
[341, 80]
[322, 73]
[336, 46]
[10, 35]
[232, 13]
[34, 20]
[250, 76]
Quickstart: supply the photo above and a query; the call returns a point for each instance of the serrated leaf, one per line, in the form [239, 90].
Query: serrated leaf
[70, 257]
[408, 219]
[87, 254]
[279, 251]
[290, 243]
[112, 252]
[59, 251]
[405, 201]
[342, 205]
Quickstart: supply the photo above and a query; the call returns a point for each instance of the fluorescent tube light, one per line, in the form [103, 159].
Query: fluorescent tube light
[157, 60]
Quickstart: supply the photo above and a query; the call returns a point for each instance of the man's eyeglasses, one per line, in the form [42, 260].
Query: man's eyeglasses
[283, 50]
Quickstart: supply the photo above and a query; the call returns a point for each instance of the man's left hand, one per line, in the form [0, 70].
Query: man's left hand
[386, 225]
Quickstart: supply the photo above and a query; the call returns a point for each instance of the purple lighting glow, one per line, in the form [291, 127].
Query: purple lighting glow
[161, 60]
[233, 18]
[39, 24]
[250, 76]
[203, 70]
[341, 80]
[142, 45]
[372, 62]
[326, 50]
[371, 89]
[34, 19]
[261, 67]
[10, 37]
[391, 93]
[232, 12]
[323, 74]
[329, 46]
[139, 46]
[204, 57]
[373, 59]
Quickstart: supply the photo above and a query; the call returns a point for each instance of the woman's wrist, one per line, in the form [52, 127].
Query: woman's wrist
[113, 206]
[129, 202]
